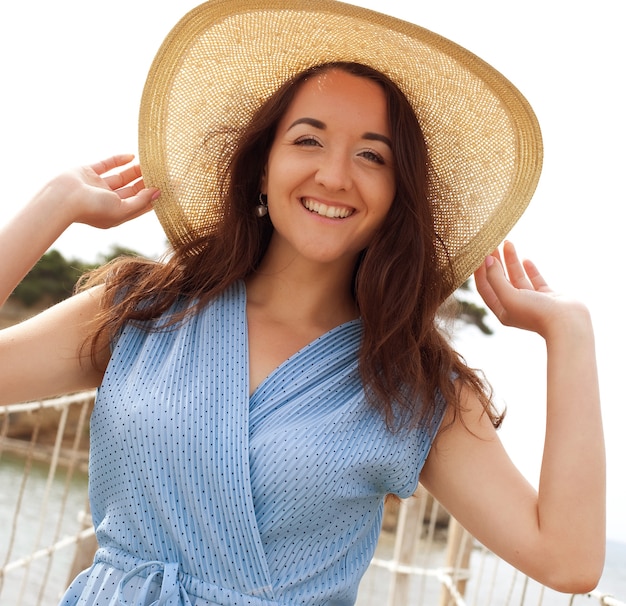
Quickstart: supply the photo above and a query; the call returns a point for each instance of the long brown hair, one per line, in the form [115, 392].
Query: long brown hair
[404, 358]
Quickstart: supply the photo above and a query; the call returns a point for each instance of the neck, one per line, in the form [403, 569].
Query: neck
[302, 292]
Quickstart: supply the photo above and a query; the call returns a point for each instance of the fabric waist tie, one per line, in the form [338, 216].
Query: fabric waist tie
[157, 583]
[172, 592]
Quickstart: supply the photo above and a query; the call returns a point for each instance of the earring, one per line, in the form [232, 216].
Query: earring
[261, 208]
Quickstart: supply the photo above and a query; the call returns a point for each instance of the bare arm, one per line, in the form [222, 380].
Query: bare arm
[556, 534]
[84, 195]
[44, 356]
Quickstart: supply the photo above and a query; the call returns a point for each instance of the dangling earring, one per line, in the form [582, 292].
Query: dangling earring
[261, 208]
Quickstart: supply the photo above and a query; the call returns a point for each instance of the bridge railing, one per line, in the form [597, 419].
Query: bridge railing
[423, 558]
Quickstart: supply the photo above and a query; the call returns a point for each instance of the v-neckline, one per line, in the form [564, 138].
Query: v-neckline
[277, 369]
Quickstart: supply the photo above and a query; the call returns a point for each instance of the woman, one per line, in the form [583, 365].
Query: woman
[262, 391]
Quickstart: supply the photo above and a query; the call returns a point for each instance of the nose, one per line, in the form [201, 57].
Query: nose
[334, 171]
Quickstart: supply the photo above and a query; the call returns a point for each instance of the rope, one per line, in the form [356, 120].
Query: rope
[66, 489]
[47, 551]
[603, 599]
[414, 536]
[20, 496]
[46, 496]
[58, 403]
[30, 452]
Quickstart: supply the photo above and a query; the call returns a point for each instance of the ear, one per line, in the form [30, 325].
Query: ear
[263, 184]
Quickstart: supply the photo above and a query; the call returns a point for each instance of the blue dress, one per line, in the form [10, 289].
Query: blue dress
[203, 495]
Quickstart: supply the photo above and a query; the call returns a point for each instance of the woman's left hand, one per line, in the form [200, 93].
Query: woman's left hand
[519, 296]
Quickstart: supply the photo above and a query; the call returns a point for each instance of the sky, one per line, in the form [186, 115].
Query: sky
[72, 76]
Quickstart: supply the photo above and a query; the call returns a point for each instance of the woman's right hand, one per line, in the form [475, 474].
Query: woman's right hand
[102, 195]
[96, 196]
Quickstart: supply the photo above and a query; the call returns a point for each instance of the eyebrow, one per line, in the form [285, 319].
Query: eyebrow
[321, 126]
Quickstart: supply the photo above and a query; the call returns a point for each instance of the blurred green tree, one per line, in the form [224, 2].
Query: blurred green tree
[53, 278]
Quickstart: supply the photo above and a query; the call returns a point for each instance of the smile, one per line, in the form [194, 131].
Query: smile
[332, 212]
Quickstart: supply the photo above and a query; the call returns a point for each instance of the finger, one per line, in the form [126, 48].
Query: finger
[124, 177]
[488, 275]
[537, 280]
[496, 254]
[137, 205]
[515, 269]
[480, 278]
[132, 190]
[104, 166]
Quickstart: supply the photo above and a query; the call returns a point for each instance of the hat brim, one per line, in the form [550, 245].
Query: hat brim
[227, 57]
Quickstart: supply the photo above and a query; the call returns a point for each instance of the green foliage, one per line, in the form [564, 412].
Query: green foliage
[53, 278]
[470, 313]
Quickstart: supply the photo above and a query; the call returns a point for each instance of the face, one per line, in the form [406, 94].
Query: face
[330, 176]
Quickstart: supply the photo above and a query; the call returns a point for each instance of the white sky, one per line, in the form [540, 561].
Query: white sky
[72, 75]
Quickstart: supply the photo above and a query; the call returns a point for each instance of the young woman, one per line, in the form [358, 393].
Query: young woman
[264, 389]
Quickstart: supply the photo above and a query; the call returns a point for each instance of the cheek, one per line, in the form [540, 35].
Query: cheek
[386, 195]
[386, 185]
[280, 175]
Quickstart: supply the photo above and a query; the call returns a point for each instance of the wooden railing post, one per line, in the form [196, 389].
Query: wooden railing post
[458, 554]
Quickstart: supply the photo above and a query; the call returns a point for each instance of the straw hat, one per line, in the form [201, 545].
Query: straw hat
[226, 57]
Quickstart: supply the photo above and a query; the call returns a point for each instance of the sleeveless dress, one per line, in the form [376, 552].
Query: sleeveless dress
[203, 495]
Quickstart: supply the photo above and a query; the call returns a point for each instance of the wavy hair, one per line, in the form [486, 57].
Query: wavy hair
[405, 360]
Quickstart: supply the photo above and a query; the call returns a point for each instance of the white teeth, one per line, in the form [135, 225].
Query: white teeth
[332, 212]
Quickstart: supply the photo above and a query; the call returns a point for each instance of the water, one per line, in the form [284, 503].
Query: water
[60, 510]
[492, 581]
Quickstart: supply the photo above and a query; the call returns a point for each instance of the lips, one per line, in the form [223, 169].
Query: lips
[325, 210]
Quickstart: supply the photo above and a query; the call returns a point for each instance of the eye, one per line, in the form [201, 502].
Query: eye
[372, 156]
[307, 140]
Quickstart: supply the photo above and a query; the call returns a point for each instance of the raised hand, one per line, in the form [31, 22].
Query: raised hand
[101, 196]
[519, 296]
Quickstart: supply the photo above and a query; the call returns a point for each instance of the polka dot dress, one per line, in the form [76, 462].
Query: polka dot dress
[203, 495]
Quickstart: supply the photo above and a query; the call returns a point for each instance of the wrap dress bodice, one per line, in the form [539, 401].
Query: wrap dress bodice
[204, 495]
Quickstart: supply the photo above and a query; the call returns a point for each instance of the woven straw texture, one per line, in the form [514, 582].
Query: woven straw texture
[226, 57]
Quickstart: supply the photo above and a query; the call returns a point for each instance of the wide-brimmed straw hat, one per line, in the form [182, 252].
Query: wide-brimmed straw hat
[225, 58]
